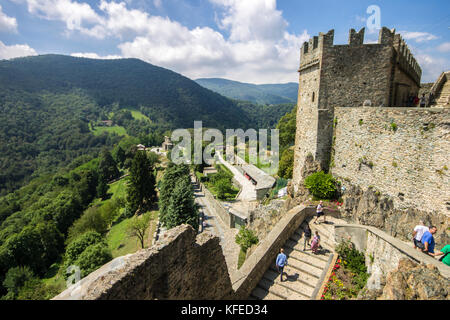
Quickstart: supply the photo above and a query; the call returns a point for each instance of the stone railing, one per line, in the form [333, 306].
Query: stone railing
[382, 251]
[221, 211]
[247, 277]
[181, 265]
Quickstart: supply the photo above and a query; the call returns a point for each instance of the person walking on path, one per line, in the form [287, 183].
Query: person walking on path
[418, 232]
[444, 251]
[315, 243]
[281, 262]
[423, 101]
[319, 211]
[307, 235]
[428, 241]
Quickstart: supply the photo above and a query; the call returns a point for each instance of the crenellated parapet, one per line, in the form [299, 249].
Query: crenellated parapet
[406, 60]
[312, 50]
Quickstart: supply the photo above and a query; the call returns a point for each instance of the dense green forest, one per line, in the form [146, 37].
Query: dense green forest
[57, 158]
[265, 94]
[49, 105]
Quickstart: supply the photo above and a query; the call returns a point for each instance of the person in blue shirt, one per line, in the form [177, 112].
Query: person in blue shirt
[281, 263]
[428, 241]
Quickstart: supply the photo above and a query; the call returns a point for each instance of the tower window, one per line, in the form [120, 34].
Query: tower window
[313, 96]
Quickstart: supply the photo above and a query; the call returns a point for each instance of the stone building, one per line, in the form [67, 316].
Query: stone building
[167, 144]
[391, 159]
[384, 73]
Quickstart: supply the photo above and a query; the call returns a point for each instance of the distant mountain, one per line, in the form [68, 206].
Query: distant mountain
[260, 94]
[48, 102]
[165, 95]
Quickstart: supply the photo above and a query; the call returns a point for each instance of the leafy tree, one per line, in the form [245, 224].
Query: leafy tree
[16, 278]
[286, 166]
[141, 186]
[78, 245]
[321, 185]
[182, 208]
[91, 220]
[93, 257]
[287, 126]
[137, 227]
[35, 289]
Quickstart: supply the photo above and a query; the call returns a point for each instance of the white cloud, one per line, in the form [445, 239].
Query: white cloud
[445, 47]
[432, 66]
[7, 24]
[418, 36]
[92, 55]
[15, 51]
[259, 48]
[77, 16]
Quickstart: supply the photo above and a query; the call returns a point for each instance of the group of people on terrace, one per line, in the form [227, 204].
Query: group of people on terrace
[423, 240]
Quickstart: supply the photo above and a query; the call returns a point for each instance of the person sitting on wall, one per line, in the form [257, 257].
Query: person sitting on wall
[444, 251]
[418, 233]
[428, 241]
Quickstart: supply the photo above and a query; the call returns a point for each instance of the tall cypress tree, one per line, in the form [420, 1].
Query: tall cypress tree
[171, 175]
[107, 171]
[182, 208]
[141, 186]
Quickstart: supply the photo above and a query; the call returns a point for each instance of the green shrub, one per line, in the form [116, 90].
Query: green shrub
[16, 278]
[321, 185]
[246, 238]
[355, 260]
[93, 258]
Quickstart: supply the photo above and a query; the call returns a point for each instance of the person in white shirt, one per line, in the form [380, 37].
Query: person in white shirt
[418, 232]
[319, 211]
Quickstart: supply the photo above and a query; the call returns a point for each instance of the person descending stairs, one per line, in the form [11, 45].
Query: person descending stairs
[304, 269]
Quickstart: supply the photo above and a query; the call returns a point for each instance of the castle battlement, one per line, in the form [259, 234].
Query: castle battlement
[312, 50]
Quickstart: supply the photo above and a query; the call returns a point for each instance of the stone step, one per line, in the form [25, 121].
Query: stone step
[301, 241]
[283, 289]
[308, 281]
[262, 294]
[315, 260]
[302, 266]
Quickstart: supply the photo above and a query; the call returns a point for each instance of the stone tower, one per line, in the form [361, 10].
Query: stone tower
[381, 74]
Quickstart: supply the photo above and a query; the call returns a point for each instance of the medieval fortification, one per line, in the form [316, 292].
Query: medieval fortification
[352, 121]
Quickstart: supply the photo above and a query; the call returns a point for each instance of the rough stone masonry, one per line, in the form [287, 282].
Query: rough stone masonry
[180, 266]
[391, 159]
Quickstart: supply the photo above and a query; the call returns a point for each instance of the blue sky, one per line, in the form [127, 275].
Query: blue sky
[254, 41]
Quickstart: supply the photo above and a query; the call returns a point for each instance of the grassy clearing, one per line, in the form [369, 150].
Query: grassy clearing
[122, 244]
[114, 129]
[241, 258]
[137, 115]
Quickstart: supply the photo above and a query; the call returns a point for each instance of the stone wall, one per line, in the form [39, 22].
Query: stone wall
[217, 206]
[334, 76]
[384, 252]
[248, 276]
[181, 265]
[400, 153]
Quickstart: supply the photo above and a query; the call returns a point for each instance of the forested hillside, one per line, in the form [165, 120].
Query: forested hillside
[259, 94]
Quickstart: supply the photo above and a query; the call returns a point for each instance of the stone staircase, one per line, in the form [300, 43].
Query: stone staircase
[444, 94]
[304, 270]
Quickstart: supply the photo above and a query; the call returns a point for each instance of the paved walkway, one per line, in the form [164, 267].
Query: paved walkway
[248, 192]
[217, 227]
